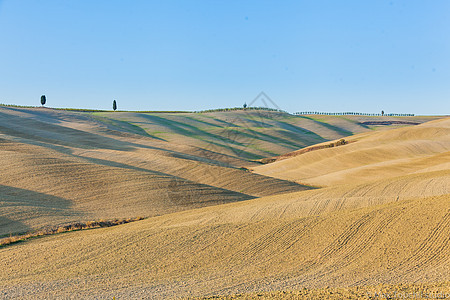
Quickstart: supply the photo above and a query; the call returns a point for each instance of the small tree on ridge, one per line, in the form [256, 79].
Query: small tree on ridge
[43, 100]
[114, 105]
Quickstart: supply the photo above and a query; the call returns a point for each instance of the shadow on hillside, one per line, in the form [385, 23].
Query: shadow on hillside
[339, 130]
[62, 139]
[55, 134]
[124, 128]
[194, 119]
[305, 133]
[104, 162]
[282, 185]
[114, 126]
[48, 115]
[231, 135]
[18, 204]
[189, 130]
[10, 227]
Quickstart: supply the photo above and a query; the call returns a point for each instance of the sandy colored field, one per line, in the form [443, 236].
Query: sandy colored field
[370, 156]
[381, 291]
[381, 222]
[196, 254]
[60, 167]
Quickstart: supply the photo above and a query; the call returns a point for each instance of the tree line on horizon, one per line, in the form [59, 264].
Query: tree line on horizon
[352, 114]
[245, 107]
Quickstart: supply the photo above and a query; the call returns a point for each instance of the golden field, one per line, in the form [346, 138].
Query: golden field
[369, 216]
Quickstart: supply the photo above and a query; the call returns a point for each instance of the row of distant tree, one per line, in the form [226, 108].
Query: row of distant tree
[44, 100]
[114, 106]
[351, 113]
[240, 108]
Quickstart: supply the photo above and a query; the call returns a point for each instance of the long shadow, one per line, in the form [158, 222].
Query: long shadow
[239, 196]
[120, 126]
[263, 120]
[64, 147]
[302, 140]
[50, 115]
[10, 227]
[189, 130]
[356, 122]
[238, 153]
[114, 126]
[104, 162]
[217, 156]
[202, 121]
[339, 130]
[250, 121]
[302, 131]
[253, 121]
[54, 134]
[109, 163]
[30, 204]
[31, 130]
[181, 155]
[227, 144]
[274, 139]
[208, 152]
[229, 138]
[41, 114]
[228, 124]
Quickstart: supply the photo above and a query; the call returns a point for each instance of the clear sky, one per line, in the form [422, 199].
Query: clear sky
[330, 56]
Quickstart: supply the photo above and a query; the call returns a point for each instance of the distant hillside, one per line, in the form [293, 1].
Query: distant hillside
[368, 156]
[242, 135]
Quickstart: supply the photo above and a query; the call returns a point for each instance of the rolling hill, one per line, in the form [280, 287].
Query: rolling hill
[99, 165]
[213, 227]
[369, 157]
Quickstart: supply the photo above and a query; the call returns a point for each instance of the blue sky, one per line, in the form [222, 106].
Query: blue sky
[332, 56]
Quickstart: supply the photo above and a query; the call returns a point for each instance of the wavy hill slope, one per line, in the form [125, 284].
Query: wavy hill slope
[370, 156]
[244, 135]
[60, 167]
[392, 231]
[118, 165]
[42, 187]
[384, 217]
[199, 253]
